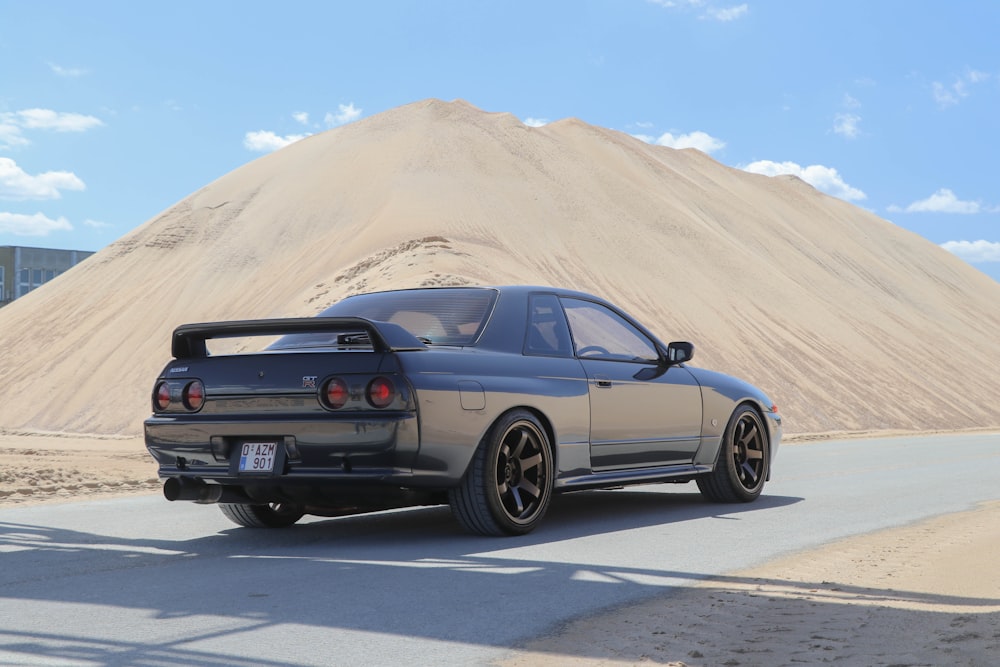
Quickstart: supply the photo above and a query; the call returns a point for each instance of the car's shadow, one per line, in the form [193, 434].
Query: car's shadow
[398, 576]
[570, 515]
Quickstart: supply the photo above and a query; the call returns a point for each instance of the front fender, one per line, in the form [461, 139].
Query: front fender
[721, 395]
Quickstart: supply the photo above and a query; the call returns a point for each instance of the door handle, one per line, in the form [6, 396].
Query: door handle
[602, 381]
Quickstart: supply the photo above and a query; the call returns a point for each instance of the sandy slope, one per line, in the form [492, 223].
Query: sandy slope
[849, 322]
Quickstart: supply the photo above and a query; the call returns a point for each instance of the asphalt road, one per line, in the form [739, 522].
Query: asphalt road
[141, 581]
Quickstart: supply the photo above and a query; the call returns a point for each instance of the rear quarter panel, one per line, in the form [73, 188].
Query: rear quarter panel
[461, 393]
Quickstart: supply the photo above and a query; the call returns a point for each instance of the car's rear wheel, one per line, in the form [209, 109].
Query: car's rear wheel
[742, 464]
[273, 515]
[508, 485]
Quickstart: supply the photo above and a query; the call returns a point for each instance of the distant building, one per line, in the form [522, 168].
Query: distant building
[24, 269]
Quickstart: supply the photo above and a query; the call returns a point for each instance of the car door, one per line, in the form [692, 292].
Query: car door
[643, 413]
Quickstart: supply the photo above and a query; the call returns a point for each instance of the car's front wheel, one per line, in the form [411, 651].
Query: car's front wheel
[508, 485]
[273, 515]
[742, 464]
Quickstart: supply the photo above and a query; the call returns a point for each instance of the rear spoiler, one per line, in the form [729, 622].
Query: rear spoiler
[188, 341]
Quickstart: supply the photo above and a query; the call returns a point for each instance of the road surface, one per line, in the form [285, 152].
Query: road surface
[140, 581]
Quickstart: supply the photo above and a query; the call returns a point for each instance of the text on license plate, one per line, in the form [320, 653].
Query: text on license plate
[257, 456]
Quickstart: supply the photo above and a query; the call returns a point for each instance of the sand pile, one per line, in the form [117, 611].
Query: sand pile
[849, 322]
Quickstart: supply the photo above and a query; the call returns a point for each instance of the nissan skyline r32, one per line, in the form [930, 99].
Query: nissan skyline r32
[489, 399]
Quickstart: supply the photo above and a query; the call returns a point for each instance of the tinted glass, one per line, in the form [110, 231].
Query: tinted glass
[547, 332]
[443, 316]
[601, 333]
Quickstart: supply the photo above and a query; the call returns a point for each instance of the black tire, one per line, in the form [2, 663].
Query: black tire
[508, 486]
[742, 465]
[274, 515]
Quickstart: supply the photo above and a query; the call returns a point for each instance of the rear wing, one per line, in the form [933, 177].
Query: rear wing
[188, 341]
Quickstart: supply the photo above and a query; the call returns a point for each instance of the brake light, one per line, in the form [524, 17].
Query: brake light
[161, 397]
[381, 391]
[336, 393]
[194, 395]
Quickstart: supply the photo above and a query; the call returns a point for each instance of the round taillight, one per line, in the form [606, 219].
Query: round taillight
[336, 393]
[194, 395]
[162, 396]
[381, 392]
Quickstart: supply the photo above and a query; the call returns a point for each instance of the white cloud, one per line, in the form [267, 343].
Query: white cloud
[704, 142]
[851, 102]
[264, 141]
[974, 251]
[69, 72]
[536, 122]
[47, 119]
[11, 134]
[825, 179]
[847, 125]
[949, 95]
[96, 224]
[14, 123]
[17, 184]
[944, 201]
[712, 11]
[345, 114]
[301, 117]
[727, 13]
[31, 225]
[944, 96]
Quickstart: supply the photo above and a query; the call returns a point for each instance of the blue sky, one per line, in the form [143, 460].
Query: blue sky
[110, 112]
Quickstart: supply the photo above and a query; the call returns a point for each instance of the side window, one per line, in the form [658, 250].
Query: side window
[547, 333]
[600, 333]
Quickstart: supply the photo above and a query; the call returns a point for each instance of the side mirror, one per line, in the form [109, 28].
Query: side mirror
[679, 352]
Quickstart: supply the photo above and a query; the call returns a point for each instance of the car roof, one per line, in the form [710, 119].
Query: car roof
[510, 290]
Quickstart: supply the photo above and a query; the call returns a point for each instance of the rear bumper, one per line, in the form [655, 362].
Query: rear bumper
[310, 452]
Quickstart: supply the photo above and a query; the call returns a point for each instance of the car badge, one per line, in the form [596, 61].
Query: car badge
[308, 381]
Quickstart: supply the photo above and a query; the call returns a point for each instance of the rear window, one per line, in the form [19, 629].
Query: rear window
[442, 316]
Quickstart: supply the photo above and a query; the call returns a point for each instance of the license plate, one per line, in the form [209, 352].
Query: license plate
[257, 456]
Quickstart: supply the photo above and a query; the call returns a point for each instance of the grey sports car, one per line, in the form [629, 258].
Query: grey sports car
[489, 399]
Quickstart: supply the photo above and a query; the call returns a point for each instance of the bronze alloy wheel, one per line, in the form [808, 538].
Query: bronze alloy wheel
[522, 469]
[741, 467]
[747, 448]
[508, 485]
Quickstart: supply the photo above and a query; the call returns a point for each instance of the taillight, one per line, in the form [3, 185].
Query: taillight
[194, 395]
[162, 396]
[381, 392]
[336, 393]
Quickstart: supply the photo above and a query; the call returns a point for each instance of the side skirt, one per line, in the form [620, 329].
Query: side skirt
[598, 480]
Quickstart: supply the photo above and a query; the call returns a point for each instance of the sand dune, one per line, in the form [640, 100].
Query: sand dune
[849, 322]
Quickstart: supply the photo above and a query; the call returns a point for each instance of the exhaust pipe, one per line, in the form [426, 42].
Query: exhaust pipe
[184, 488]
